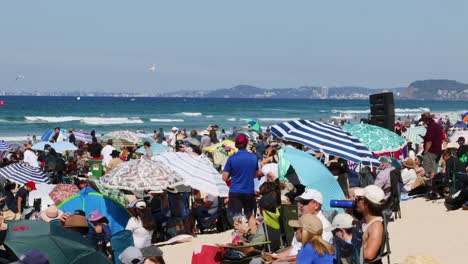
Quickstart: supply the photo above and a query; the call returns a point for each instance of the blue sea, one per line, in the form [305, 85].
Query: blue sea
[23, 116]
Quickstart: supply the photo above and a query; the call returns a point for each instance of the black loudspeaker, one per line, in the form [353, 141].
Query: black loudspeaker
[382, 110]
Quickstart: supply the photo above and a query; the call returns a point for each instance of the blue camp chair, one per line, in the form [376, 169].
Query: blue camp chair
[120, 241]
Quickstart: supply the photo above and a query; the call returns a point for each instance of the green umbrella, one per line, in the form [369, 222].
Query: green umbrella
[61, 245]
[376, 139]
[254, 125]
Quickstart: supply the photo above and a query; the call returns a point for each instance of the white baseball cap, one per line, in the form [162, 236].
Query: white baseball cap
[342, 220]
[174, 128]
[373, 193]
[311, 194]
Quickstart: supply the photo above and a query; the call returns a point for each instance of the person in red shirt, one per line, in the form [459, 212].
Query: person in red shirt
[432, 144]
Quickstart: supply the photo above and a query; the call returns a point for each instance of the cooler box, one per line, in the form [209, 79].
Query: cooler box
[95, 167]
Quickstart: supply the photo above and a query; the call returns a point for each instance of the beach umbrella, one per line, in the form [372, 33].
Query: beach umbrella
[125, 135]
[47, 135]
[4, 146]
[89, 200]
[61, 192]
[155, 148]
[376, 139]
[220, 153]
[192, 141]
[145, 137]
[464, 117]
[39, 146]
[63, 146]
[328, 138]
[254, 125]
[198, 172]
[312, 174]
[114, 194]
[61, 245]
[42, 192]
[140, 175]
[22, 173]
[82, 136]
[415, 134]
[118, 142]
[460, 124]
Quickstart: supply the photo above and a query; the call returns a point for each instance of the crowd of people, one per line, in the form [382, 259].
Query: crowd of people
[257, 196]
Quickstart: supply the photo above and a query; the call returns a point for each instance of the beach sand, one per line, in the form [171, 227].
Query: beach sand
[426, 228]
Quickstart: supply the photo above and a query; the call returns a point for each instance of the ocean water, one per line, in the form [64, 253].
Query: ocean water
[22, 116]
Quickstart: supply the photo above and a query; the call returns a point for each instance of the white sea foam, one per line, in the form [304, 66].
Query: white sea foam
[190, 114]
[232, 119]
[397, 110]
[209, 116]
[85, 120]
[279, 119]
[165, 120]
[17, 138]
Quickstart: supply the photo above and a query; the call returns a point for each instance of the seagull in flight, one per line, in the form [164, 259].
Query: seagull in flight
[19, 76]
[152, 68]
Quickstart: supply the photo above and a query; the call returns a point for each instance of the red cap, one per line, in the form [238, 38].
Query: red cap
[242, 139]
[31, 185]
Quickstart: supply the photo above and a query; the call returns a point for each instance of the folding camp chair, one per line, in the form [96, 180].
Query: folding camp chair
[394, 200]
[217, 221]
[384, 250]
[120, 241]
[288, 212]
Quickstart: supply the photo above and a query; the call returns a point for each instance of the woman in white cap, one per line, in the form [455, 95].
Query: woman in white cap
[314, 250]
[141, 225]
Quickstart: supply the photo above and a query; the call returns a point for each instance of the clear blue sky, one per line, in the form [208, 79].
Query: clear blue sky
[108, 45]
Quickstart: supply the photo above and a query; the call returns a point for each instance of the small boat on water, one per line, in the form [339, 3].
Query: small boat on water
[78, 98]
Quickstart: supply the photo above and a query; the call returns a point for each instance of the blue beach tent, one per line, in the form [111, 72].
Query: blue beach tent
[89, 200]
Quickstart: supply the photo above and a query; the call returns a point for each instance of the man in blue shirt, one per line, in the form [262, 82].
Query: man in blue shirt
[241, 168]
[260, 147]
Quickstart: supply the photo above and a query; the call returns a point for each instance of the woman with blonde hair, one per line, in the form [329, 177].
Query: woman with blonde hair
[314, 249]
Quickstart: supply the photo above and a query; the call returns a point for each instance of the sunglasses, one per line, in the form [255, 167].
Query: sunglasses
[305, 202]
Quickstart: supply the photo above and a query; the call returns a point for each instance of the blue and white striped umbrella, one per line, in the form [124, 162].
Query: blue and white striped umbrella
[4, 146]
[328, 138]
[22, 173]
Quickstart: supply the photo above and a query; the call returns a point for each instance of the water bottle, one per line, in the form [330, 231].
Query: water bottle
[342, 203]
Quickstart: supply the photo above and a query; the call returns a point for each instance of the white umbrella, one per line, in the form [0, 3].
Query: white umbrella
[140, 175]
[126, 135]
[198, 172]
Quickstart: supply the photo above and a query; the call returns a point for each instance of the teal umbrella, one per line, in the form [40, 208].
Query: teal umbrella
[376, 139]
[61, 245]
[254, 125]
[155, 148]
[312, 173]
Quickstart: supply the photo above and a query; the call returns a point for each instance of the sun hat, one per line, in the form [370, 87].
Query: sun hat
[409, 163]
[51, 213]
[311, 194]
[242, 139]
[373, 193]
[308, 222]
[205, 133]
[31, 185]
[76, 221]
[156, 192]
[174, 128]
[140, 204]
[151, 251]
[95, 216]
[342, 220]
[130, 254]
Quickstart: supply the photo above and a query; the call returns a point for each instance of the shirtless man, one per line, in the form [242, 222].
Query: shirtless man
[370, 202]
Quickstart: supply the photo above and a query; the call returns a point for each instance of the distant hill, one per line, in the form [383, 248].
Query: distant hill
[436, 90]
[304, 92]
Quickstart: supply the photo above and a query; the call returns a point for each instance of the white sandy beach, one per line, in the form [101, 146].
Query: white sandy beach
[425, 229]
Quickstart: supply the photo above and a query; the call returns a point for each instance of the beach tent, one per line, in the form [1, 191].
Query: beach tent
[22, 173]
[464, 117]
[89, 200]
[460, 124]
[312, 174]
[47, 135]
[198, 172]
[141, 175]
[330, 139]
[155, 148]
[377, 139]
[61, 245]
[4, 146]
